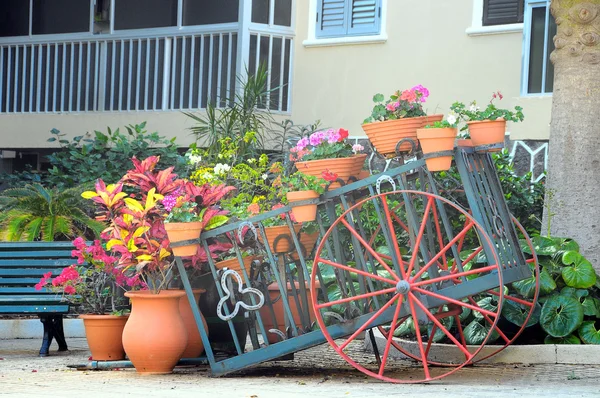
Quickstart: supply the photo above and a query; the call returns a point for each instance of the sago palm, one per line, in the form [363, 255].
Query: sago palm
[35, 213]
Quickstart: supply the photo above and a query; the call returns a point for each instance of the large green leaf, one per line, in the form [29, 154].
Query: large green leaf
[570, 339]
[549, 246]
[439, 335]
[487, 303]
[475, 333]
[588, 333]
[406, 328]
[591, 307]
[581, 274]
[526, 287]
[561, 315]
[517, 313]
[575, 293]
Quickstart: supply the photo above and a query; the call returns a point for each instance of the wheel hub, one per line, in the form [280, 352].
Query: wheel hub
[403, 287]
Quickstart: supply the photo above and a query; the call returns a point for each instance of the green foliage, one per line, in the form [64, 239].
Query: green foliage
[561, 315]
[401, 104]
[303, 182]
[35, 213]
[89, 157]
[187, 212]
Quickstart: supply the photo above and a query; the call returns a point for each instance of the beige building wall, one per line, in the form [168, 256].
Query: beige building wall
[427, 45]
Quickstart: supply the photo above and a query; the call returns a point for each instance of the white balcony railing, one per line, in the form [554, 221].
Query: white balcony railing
[181, 71]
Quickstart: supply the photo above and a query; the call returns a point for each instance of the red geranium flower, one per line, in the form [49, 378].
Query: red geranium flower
[343, 134]
[329, 176]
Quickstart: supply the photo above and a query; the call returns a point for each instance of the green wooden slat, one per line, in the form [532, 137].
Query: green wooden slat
[18, 281]
[33, 309]
[22, 290]
[41, 298]
[28, 263]
[29, 272]
[35, 245]
[36, 254]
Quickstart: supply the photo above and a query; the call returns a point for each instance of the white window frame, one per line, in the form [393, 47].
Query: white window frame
[313, 41]
[477, 28]
[529, 5]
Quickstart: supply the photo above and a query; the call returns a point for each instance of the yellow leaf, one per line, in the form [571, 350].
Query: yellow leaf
[89, 194]
[134, 205]
[111, 187]
[118, 197]
[131, 246]
[144, 257]
[140, 231]
[163, 254]
[127, 218]
[112, 243]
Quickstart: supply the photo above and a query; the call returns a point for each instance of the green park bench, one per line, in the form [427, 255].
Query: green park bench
[22, 264]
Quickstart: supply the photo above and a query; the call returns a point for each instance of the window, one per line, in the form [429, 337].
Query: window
[272, 12]
[502, 12]
[340, 18]
[540, 28]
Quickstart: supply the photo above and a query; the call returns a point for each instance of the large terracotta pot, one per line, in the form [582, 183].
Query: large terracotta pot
[343, 167]
[104, 336]
[234, 264]
[436, 140]
[267, 317]
[285, 243]
[180, 231]
[194, 346]
[484, 132]
[154, 337]
[386, 135]
[305, 212]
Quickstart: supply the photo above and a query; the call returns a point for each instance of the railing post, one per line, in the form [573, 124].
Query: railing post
[243, 45]
[102, 77]
[166, 74]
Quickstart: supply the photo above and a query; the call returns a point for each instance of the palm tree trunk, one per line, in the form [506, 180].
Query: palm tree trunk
[573, 183]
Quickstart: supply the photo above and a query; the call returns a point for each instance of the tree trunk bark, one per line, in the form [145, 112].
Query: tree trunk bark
[573, 181]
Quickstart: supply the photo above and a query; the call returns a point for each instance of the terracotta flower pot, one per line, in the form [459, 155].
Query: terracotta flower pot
[385, 135]
[154, 337]
[308, 241]
[484, 132]
[364, 174]
[104, 336]
[267, 317]
[305, 212]
[234, 264]
[435, 140]
[180, 231]
[343, 167]
[430, 119]
[285, 243]
[465, 143]
[194, 346]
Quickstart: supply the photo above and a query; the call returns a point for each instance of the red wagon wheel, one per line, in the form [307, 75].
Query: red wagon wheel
[512, 302]
[390, 291]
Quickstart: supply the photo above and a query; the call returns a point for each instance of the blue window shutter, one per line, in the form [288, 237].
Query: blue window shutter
[364, 17]
[332, 18]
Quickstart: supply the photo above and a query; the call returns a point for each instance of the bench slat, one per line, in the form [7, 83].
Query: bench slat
[47, 254]
[28, 263]
[18, 281]
[22, 290]
[36, 245]
[40, 298]
[29, 272]
[33, 309]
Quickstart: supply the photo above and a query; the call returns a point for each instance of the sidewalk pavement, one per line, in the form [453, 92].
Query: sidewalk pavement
[313, 373]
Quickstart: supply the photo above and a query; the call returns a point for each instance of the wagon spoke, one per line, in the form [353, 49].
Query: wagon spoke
[514, 299]
[411, 299]
[438, 231]
[369, 249]
[453, 301]
[390, 336]
[366, 324]
[420, 236]
[353, 298]
[437, 323]
[488, 320]
[455, 275]
[393, 238]
[460, 333]
[444, 250]
[356, 271]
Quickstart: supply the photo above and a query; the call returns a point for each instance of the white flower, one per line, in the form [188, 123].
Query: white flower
[473, 107]
[451, 119]
[221, 168]
[265, 176]
[194, 159]
[356, 148]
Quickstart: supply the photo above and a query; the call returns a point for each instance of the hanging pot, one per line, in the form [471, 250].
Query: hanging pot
[305, 212]
[343, 167]
[485, 132]
[180, 231]
[437, 140]
[279, 238]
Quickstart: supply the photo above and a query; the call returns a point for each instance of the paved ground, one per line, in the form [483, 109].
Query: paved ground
[313, 373]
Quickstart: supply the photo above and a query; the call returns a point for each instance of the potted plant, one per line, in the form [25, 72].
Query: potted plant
[155, 336]
[396, 119]
[487, 126]
[438, 137]
[300, 186]
[91, 286]
[278, 233]
[328, 150]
